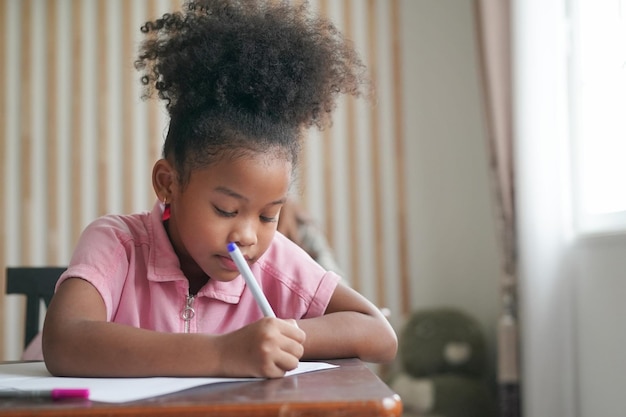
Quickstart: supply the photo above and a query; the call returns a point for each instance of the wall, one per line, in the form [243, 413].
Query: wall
[401, 187]
[454, 258]
[600, 285]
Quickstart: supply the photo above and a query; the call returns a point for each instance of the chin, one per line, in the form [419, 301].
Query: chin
[222, 274]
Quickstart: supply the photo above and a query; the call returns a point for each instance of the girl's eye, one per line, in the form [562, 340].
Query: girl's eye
[224, 213]
[266, 219]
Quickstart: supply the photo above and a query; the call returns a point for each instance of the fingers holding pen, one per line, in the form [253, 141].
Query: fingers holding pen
[292, 349]
[299, 334]
[267, 348]
[279, 347]
[282, 336]
[295, 337]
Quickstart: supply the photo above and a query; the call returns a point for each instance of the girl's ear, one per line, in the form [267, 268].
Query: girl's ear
[163, 180]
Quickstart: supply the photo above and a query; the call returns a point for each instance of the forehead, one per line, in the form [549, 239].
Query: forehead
[253, 175]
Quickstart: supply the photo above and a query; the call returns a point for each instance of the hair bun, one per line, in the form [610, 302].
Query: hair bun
[267, 59]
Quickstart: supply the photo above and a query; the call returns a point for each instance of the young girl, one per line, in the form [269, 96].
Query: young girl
[156, 293]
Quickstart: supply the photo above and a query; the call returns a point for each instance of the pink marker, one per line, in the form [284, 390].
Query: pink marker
[54, 394]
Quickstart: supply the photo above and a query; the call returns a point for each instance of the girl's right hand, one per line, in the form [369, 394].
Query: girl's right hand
[266, 348]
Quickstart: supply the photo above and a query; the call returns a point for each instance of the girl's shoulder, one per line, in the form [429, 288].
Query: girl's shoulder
[288, 273]
[121, 227]
[288, 263]
[284, 251]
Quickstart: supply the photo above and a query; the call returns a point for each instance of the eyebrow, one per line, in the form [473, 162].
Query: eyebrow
[231, 193]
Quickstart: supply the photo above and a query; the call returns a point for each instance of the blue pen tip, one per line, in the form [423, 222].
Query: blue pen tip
[231, 247]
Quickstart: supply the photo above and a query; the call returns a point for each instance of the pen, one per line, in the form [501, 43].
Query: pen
[246, 273]
[54, 394]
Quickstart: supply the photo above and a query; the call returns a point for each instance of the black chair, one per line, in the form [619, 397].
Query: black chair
[37, 283]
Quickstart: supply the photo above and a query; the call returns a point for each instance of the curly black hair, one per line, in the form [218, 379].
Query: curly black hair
[245, 74]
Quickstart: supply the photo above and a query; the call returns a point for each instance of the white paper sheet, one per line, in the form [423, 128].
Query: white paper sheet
[34, 376]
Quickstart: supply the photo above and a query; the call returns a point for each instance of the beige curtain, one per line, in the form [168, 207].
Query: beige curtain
[493, 25]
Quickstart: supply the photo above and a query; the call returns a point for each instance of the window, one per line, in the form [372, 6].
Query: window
[598, 110]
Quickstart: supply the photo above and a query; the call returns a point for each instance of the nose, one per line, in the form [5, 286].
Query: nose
[244, 233]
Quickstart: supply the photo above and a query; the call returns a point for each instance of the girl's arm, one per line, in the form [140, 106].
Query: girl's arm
[78, 341]
[351, 327]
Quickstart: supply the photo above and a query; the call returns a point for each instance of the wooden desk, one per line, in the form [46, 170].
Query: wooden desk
[348, 391]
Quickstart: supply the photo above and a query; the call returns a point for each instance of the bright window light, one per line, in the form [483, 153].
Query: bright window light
[598, 69]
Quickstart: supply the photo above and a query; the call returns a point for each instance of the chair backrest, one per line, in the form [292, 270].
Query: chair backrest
[37, 283]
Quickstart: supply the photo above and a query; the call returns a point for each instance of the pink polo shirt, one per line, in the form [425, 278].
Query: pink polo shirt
[130, 261]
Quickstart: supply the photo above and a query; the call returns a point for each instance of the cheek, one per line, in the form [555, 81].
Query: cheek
[265, 235]
[200, 226]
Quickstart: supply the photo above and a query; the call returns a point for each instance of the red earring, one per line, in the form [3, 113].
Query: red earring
[166, 210]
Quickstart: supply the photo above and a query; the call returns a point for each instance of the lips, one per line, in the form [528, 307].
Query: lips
[227, 263]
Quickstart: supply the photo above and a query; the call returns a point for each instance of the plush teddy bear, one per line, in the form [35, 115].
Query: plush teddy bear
[442, 366]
